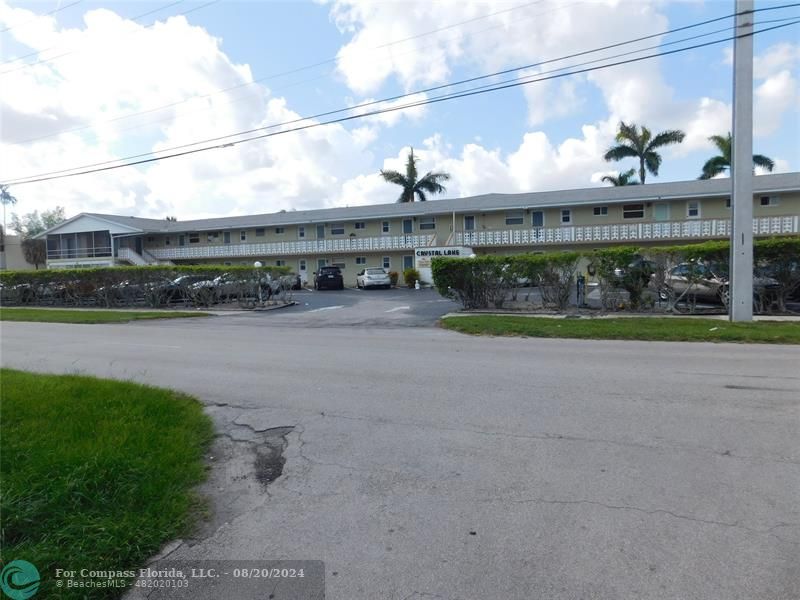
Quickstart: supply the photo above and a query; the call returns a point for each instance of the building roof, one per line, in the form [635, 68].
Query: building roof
[772, 183]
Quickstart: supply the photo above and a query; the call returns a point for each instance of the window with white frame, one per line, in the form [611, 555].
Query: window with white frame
[693, 209]
[427, 223]
[194, 238]
[408, 262]
[566, 216]
[337, 229]
[661, 211]
[769, 201]
[280, 230]
[537, 218]
[385, 227]
[469, 223]
[387, 262]
[361, 260]
[280, 263]
[212, 236]
[338, 262]
[727, 202]
[515, 217]
[360, 225]
[259, 232]
[301, 232]
[600, 211]
[633, 211]
[226, 237]
[243, 236]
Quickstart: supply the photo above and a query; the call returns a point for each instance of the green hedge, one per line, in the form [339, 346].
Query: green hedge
[486, 280]
[132, 286]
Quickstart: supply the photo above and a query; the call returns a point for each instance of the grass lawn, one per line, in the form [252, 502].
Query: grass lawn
[94, 473]
[672, 329]
[67, 315]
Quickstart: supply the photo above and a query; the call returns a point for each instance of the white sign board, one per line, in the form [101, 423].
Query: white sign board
[423, 257]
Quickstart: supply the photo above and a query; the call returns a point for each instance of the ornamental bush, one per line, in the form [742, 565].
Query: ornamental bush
[411, 277]
[488, 281]
[152, 286]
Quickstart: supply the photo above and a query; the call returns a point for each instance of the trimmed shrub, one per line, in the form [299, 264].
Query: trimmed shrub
[411, 277]
[486, 281]
[134, 286]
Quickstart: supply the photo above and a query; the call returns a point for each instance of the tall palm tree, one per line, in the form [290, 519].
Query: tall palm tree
[633, 143]
[5, 198]
[722, 162]
[412, 186]
[621, 178]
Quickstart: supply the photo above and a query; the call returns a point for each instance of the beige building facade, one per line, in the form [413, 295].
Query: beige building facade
[388, 235]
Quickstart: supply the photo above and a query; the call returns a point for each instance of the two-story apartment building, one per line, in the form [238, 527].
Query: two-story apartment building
[387, 235]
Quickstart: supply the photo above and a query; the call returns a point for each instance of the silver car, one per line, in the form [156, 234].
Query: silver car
[373, 277]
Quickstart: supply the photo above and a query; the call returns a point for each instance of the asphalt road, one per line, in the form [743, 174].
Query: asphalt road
[421, 463]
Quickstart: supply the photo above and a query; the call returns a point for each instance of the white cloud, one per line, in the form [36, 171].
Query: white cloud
[773, 98]
[140, 68]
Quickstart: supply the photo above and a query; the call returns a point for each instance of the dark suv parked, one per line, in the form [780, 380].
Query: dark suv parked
[328, 278]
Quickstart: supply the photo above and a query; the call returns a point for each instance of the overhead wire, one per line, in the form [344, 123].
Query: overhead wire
[445, 97]
[77, 50]
[264, 78]
[427, 90]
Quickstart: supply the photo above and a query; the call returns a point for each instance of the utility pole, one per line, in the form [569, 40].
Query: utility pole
[741, 280]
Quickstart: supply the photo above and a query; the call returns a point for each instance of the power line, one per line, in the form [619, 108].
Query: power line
[335, 59]
[289, 72]
[463, 94]
[136, 18]
[47, 14]
[411, 94]
[423, 91]
[52, 58]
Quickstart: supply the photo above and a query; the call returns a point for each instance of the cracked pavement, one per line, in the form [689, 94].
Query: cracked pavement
[420, 463]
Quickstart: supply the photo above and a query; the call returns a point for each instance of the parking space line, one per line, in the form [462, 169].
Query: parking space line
[326, 308]
[396, 308]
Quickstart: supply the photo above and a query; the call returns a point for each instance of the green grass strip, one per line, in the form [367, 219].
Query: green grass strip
[47, 315]
[95, 474]
[645, 328]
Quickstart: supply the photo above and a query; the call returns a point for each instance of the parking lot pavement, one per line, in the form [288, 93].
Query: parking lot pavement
[400, 307]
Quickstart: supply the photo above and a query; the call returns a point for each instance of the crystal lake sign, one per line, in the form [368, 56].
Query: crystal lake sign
[423, 257]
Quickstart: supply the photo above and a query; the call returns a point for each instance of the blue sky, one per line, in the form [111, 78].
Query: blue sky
[541, 136]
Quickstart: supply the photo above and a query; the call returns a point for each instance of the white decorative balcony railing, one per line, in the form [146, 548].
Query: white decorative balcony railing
[305, 247]
[623, 232]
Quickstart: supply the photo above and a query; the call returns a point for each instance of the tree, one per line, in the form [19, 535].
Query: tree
[722, 162]
[430, 183]
[621, 178]
[31, 225]
[5, 198]
[635, 143]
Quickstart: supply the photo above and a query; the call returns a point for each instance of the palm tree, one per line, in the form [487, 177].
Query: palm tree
[722, 162]
[621, 178]
[428, 184]
[5, 198]
[633, 143]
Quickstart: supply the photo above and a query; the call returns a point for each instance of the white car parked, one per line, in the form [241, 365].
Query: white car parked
[373, 277]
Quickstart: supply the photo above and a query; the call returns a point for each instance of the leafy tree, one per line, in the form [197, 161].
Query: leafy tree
[32, 224]
[413, 186]
[722, 162]
[633, 142]
[621, 178]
